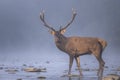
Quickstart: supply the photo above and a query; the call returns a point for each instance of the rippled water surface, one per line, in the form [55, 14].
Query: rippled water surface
[56, 66]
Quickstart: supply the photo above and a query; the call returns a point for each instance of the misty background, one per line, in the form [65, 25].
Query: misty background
[24, 39]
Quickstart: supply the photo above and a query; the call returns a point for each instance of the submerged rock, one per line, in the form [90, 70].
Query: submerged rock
[11, 71]
[42, 78]
[47, 62]
[118, 69]
[19, 79]
[24, 64]
[87, 69]
[1, 68]
[72, 75]
[106, 66]
[112, 77]
[35, 70]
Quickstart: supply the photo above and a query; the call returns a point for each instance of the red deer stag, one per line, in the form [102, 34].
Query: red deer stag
[77, 46]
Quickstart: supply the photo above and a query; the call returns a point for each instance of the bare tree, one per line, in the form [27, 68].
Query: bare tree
[77, 46]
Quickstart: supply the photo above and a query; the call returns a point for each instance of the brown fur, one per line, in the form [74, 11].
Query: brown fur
[77, 46]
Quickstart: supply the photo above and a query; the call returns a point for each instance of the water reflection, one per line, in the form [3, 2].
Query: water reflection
[82, 78]
[78, 78]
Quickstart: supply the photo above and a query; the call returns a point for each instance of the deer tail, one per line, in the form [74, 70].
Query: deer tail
[103, 43]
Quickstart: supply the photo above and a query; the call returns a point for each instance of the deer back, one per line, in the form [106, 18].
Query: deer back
[81, 45]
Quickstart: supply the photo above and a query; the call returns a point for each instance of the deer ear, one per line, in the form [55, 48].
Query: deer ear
[63, 31]
[52, 32]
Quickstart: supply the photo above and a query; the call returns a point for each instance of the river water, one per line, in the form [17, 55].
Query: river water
[56, 65]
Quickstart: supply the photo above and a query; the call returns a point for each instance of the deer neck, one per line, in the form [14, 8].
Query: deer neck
[60, 42]
[60, 39]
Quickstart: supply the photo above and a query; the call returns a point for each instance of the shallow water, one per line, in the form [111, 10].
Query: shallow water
[50, 74]
[54, 71]
[56, 65]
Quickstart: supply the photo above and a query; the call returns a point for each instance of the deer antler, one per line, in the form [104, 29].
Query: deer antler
[73, 17]
[43, 20]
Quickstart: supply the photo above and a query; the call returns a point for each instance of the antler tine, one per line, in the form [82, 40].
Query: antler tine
[72, 19]
[43, 20]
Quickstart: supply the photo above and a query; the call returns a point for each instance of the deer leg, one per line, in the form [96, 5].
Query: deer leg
[78, 65]
[70, 65]
[101, 66]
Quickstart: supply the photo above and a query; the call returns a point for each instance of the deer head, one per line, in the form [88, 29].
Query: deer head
[61, 30]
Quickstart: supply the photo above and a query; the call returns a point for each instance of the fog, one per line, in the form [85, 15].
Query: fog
[23, 36]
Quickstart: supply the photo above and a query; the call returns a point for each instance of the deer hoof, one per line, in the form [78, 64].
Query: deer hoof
[69, 75]
[81, 75]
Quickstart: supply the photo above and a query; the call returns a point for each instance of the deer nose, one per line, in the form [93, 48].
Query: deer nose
[57, 34]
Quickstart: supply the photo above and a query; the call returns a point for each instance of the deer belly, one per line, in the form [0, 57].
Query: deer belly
[77, 50]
